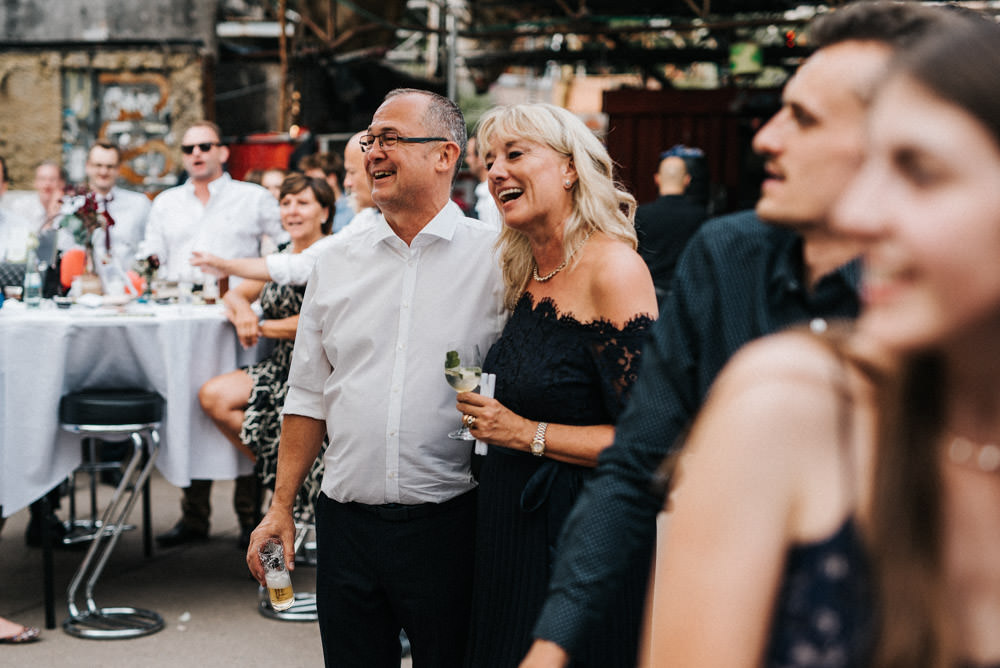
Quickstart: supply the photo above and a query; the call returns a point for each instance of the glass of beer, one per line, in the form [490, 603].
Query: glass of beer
[279, 581]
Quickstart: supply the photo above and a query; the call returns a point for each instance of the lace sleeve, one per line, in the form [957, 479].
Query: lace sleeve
[617, 355]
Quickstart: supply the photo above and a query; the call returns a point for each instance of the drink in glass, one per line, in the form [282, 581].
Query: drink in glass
[462, 370]
[279, 582]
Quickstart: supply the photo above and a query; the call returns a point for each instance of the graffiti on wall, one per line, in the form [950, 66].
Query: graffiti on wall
[128, 109]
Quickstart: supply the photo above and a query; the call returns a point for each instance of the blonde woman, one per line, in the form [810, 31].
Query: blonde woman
[581, 302]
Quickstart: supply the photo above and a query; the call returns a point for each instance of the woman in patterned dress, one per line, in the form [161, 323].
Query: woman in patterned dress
[246, 404]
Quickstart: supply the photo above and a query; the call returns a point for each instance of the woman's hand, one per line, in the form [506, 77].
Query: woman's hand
[496, 424]
[208, 263]
[247, 327]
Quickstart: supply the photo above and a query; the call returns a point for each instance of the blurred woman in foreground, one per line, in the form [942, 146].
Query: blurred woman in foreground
[839, 500]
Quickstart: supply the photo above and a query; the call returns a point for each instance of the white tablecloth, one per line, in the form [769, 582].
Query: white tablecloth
[45, 353]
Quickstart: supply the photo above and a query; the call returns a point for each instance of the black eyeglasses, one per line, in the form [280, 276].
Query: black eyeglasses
[188, 149]
[389, 139]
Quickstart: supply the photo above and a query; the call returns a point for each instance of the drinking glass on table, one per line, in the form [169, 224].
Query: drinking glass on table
[462, 369]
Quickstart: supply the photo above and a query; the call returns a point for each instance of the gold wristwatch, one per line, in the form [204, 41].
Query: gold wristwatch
[538, 442]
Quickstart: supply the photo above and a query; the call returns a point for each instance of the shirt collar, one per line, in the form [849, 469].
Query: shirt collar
[789, 270]
[213, 186]
[442, 226]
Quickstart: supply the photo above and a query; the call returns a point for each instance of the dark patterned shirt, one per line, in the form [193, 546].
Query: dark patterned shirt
[737, 280]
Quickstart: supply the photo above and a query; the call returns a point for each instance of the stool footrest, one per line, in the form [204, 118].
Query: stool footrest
[114, 623]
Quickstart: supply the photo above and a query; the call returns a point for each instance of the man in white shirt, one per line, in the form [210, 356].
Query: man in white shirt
[486, 206]
[15, 230]
[128, 209]
[395, 520]
[295, 268]
[209, 212]
[42, 209]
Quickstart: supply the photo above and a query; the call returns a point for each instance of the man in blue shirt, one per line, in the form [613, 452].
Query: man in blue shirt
[739, 278]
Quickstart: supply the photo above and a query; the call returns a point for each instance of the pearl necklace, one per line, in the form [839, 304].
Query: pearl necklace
[983, 456]
[548, 276]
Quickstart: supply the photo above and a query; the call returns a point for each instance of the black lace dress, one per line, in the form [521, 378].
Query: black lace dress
[262, 418]
[549, 367]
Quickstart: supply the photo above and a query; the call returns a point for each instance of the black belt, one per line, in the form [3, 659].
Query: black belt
[401, 512]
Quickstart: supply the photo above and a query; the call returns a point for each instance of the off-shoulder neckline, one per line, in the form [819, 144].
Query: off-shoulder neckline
[547, 309]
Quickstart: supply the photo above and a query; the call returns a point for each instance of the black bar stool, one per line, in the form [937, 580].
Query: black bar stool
[134, 414]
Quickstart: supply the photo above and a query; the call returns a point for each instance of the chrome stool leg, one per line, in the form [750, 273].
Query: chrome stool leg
[83, 530]
[114, 622]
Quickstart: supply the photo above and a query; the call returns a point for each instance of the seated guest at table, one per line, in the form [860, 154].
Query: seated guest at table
[271, 179]
[214, 213]
[12, 633]
[246, 404]
[330, 166]
[42, 209]
[582, 302]
[128, 209]
[15, 230]
[295, 268]
[209, 212]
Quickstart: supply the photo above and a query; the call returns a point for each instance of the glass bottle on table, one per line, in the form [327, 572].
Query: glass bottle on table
[32, 282]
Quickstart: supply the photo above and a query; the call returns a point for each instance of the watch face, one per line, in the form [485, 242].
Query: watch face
[537, 447]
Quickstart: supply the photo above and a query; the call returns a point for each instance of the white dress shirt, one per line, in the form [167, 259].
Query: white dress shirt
[15, 232]
[486, 206]
[376, 322]
[295, 268]
[230, 225]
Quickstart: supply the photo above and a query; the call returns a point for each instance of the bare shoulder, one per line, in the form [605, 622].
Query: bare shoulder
[620, 285]
[784, 367]
[786, 394]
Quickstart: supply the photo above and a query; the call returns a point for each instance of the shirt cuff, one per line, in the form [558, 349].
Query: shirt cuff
[307, 403]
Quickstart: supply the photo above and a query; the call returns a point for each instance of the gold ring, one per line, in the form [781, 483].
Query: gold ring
[470, 421]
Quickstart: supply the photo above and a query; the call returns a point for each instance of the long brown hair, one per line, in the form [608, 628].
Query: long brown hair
[962, 66]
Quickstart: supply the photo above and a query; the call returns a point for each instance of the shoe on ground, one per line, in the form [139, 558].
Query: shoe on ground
[244, 540]
[181, 534]
[33, 534]
[25, 635]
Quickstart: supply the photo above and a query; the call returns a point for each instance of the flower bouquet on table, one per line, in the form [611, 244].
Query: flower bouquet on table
[82, 214]
[146, 269]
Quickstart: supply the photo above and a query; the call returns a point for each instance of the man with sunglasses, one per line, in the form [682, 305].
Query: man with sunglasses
[213, 213]
[209, 212]
[395, 520]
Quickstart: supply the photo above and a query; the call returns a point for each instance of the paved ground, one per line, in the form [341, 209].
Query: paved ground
[203, 592]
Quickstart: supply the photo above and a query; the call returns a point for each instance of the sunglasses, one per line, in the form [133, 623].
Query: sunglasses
[188, 149]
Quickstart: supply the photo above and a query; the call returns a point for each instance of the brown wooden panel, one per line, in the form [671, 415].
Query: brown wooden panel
[644, 123]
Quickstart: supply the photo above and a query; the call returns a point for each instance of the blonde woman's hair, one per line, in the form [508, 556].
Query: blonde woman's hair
[599, 203]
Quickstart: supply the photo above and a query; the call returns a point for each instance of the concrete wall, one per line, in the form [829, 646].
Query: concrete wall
[35, 21]
[39, 119]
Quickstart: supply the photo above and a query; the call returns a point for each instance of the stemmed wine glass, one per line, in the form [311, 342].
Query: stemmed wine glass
[462, 369]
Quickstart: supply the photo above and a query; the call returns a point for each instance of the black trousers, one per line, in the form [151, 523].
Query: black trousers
[385, 568]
